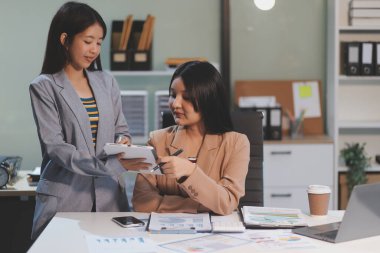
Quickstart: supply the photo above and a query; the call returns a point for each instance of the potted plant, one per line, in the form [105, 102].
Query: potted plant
[357, 161]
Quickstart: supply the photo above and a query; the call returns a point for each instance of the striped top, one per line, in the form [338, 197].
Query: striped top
[93, 114]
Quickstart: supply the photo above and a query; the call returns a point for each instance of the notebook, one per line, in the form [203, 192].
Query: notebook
[361, 219]
[271, 217]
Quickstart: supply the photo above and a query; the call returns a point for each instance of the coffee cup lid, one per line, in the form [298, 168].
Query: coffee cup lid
[318, 189]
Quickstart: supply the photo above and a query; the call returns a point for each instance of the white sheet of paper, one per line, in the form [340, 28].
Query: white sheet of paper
[101, 244]
[208, 243]
[276, 239]
[180, 221]
[134, 151]
[306, 97]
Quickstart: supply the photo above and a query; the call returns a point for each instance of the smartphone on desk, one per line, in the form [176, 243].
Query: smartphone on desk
[128, 221]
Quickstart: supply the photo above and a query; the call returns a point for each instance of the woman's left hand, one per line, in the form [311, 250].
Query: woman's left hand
[123, 140]
[176, 167]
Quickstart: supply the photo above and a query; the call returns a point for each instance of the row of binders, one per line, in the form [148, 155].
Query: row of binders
[361, 58]
[145, 38]
[364, 12]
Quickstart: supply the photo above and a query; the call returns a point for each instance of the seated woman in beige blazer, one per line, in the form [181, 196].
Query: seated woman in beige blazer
[209, 175]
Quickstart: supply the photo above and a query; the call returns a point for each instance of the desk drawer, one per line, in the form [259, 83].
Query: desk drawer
[288, 197]
[298, 164]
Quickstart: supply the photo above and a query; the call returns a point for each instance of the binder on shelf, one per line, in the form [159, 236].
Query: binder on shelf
[352, 56]
[367, 61]
[272, 121]
[377, 58]
[131, 44]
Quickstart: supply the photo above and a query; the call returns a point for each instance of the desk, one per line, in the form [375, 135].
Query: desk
[65, 233]
[16, 214]
[20, 188]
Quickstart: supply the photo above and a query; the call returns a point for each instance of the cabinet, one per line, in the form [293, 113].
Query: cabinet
[290, 166]
[352, 101]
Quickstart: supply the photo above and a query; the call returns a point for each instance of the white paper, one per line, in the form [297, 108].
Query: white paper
[100, 244]
[309, 102]
[163, 222]
[257, 101]
[276, 239]
[207, 243]
[227, 223]
[134, 151]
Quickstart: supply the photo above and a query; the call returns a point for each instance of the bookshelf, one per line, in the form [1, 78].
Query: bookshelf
[352, 101]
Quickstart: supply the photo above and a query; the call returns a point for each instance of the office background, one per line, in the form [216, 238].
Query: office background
[288, 42]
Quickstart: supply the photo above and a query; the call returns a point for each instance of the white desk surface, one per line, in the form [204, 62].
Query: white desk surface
[65, 233]
[20, 187]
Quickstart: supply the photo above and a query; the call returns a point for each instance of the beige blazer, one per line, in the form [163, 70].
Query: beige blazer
[216, 185]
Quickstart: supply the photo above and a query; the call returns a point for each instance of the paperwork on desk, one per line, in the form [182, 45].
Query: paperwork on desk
[208, 243]
[269, 217]
[101, 244]
[134, 151]
[179, 223]
[278, 239]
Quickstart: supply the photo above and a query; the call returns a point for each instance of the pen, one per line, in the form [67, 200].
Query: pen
[158, 166]
[119, 138]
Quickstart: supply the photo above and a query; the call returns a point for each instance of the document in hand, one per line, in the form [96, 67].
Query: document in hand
[134, 151]
[179, 223]
[269, 217]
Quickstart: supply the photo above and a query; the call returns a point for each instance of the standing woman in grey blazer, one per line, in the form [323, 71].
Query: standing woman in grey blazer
[77, 110]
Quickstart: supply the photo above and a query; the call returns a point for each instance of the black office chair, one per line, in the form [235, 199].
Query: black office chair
[250, 124]
[167, 119]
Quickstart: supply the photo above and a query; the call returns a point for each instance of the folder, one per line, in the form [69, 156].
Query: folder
[272, 121]
[275, 127]
[377, 58]
[367, 62]
[352, 56]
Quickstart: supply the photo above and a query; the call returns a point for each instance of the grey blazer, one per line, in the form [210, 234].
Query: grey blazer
[74, 173]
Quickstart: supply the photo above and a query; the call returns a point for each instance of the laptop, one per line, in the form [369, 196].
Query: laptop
[361, 219]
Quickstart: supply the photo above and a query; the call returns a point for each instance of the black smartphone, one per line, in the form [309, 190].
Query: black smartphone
[128, 221]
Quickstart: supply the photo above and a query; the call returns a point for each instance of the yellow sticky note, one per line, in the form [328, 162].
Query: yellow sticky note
[305, 91]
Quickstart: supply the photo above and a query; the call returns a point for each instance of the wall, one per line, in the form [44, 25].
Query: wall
[183, 29]
[287, 42]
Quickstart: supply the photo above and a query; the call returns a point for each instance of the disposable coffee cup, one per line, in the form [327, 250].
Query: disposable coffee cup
[319, 196]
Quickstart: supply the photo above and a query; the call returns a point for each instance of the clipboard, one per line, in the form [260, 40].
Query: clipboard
[283, 91]
[179, 223]
[134, 151]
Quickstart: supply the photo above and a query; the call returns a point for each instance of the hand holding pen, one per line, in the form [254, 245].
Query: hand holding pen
[122, 139]
[176, 167]
[158, 166]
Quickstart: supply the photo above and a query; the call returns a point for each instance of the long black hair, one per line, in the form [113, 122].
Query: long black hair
[206, 92]
[72, 18]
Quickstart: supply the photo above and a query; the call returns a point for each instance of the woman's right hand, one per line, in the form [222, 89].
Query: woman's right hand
[133, 164]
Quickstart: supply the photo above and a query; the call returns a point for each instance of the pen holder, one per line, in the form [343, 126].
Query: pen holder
[296, 130]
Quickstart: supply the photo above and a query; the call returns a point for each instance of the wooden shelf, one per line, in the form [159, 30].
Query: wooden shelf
[343, 79]
[143, 73]
[359, 29]
[373, 168]
[352, 124]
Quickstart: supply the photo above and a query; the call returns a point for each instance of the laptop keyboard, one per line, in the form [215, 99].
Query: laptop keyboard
[329, 234]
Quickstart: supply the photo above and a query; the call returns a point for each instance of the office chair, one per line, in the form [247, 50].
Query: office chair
[167, 119]
[249, 123]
